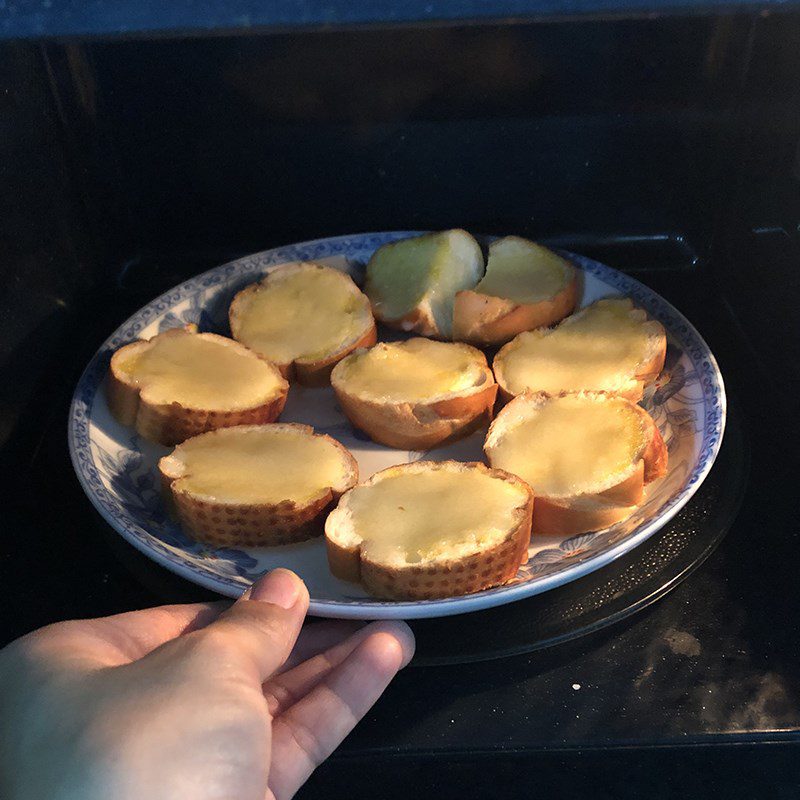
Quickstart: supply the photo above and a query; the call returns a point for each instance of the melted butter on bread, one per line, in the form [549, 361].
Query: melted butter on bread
[571, 445]
[270, 464]
[412, 371]
[302, 314]
[523, 271]
[422, 515]
[599, 349]
[200, 372]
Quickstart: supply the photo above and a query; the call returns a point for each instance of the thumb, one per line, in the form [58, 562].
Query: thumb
[263, 624]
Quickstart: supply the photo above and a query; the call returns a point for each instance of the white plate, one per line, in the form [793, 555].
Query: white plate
[116, 467]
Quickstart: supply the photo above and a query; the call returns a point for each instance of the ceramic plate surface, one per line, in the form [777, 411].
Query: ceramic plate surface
[117, 468]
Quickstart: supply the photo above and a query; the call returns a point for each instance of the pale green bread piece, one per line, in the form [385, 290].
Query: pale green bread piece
[412, 283]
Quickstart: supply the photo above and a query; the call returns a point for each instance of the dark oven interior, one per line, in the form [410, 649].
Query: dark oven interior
[665, 147]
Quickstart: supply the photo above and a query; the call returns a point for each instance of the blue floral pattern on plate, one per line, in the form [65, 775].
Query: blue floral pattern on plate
[117, 469]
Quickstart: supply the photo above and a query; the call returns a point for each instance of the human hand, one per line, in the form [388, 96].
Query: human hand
[191, 702]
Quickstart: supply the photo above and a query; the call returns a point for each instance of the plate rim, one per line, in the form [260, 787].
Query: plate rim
[712, 385]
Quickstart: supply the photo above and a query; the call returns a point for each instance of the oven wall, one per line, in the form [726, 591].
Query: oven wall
[45, 255]
[593, 128]
[757, 253]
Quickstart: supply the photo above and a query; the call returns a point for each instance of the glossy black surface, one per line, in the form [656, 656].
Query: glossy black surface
[739, 772]
[264, 134]
[667, 148]
[122, 18]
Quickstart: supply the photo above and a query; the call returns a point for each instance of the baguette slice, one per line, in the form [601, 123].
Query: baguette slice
[526, 286]
[587, 456]
[181, 383]
[609, 346]
[431, 529]
[416, 394]
[412, 283]
[256, 485]
[303, 318]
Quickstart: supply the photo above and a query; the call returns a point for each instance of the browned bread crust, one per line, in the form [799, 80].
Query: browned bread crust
[421, 425]
[443, 577]
[172, 423]
[228, 524]
[306, 371]
[487, 319]
[632, 389]
[566, 516]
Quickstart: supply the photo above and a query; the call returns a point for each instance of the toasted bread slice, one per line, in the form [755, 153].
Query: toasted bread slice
[587, 456]
[609, 346]
[526, 286]
[416, 394]
[426, 529]
[181, 383]
[256, 485]
[412, 283]
[303, 318]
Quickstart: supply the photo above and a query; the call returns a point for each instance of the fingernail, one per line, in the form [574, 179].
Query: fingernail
[279, 587]
[409, 642]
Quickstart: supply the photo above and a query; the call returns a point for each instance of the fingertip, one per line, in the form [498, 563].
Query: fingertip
[392, 643]
[281, 587]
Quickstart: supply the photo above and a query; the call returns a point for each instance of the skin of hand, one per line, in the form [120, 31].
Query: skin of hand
[190, 702]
